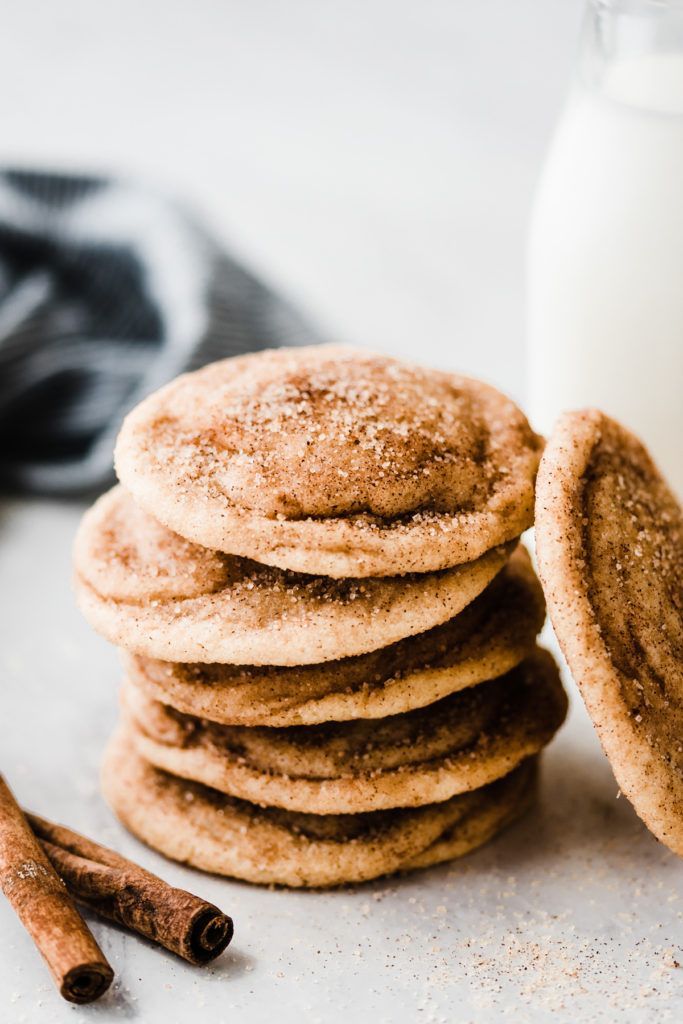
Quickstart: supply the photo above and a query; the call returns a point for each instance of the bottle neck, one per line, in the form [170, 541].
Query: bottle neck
[632, 51]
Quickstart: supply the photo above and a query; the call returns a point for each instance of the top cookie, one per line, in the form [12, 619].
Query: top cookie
[609, 535]
[332, 461]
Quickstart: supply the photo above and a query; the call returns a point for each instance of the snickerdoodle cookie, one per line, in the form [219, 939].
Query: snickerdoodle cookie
[488, 638]
[425, 756]
[333, 461]
[152, 592]
[207, 829]
[609, 534]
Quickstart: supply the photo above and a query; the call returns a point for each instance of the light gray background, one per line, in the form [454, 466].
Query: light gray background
[377, 161]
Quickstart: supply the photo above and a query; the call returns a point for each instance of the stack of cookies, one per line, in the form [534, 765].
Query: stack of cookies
[329, 631]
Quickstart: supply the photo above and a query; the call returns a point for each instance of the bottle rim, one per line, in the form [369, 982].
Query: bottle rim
[637, 6]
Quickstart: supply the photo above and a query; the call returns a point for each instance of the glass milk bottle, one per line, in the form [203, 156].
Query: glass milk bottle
[605, 270]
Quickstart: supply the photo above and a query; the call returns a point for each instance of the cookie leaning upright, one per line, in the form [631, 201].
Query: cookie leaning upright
[333, 461]
[609, 536]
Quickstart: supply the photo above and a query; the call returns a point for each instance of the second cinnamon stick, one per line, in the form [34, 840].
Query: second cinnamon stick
[122, 891]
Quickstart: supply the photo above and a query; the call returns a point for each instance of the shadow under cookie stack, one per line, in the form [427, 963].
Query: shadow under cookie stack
[329, 631]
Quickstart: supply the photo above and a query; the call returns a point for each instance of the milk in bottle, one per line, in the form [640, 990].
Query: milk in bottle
[605, 271]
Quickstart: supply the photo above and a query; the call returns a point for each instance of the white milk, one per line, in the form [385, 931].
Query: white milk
[606, 259]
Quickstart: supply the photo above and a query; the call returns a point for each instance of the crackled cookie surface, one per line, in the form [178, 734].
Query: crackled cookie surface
[332, 461]
[460, 743]
[153, 592]
[209, 830]
[489, 637]
[609, 535]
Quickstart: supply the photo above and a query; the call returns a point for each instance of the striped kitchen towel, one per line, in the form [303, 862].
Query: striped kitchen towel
[107, 291]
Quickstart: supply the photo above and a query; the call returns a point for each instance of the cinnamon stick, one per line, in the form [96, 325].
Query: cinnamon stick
[42, 903]
[122, 891]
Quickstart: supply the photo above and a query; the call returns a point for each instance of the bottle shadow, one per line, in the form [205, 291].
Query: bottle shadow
[578, 821]
[579, 814]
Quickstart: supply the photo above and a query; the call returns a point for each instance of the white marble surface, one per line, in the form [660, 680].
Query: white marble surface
[377, 160]
[572, 915]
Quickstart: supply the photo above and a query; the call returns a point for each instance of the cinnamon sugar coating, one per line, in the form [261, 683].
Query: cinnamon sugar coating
[609, 535]
[154, 593]
[425, 756]
[489, 637]
[332, 461]
[207, 829]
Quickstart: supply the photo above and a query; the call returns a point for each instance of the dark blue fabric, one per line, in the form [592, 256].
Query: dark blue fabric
[107, 291]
